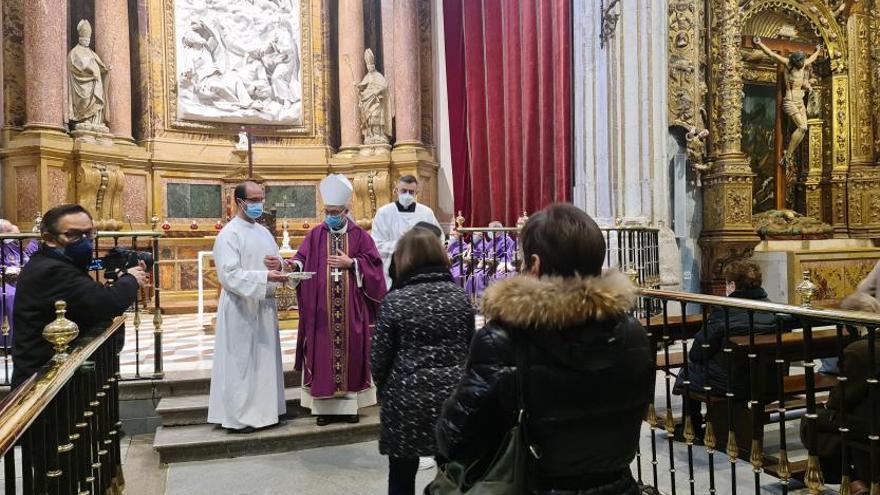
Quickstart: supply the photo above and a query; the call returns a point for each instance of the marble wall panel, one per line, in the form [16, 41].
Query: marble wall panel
[13, 63]
[57, 186]
[134, 200]
[189, 275]
[167, 278]
[186, 200]
[27, 201]
[303, 197]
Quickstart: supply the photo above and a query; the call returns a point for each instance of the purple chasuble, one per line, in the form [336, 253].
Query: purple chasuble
[12, 256]
[336, 314]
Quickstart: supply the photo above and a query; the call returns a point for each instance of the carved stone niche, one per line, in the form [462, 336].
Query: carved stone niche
[99, 188]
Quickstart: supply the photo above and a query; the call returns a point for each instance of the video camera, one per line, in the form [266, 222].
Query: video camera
[118, 260]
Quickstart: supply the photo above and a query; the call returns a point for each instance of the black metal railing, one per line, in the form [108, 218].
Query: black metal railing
[483, 255]
[15, 251]
[750, 366]
[59, 430]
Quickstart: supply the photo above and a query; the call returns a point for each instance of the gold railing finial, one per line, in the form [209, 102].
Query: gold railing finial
[521, 221]
[633, 276]
[154, 222]
[38, 219]
[756, 457]
[60, 332]
[813, 475]
[459, 220]
[807, 290]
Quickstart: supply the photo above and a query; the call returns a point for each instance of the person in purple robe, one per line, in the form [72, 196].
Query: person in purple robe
[337, 310]
[494, 259]
[455, 248]
[12, 258]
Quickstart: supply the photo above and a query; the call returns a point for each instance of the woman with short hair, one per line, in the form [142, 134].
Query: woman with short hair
[588, 365]
[418, 351]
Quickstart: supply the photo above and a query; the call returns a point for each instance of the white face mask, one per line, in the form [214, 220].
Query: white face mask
[406, 199]
[490, 235]
[730, 289]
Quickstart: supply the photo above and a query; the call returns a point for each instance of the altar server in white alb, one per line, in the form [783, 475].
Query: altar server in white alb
[397, 218]
[247, 383]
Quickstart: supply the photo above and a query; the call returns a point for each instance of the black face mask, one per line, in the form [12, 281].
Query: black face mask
[80, 252]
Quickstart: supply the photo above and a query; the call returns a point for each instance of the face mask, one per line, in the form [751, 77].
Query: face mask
[730, 289]
[335, 222]
[8, 241]
[80, 252]
[490, 235]
[253, 210]
[406, 199]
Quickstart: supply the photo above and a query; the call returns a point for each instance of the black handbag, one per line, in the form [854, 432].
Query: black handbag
[508, 473]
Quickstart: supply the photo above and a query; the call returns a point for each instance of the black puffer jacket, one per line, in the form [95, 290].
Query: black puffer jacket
[591, 377]
[417, 358]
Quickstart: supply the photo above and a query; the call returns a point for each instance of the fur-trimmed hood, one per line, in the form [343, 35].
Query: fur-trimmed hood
[557, 302]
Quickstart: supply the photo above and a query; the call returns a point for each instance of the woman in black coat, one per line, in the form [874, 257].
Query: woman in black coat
[423, 330]
[590, 371]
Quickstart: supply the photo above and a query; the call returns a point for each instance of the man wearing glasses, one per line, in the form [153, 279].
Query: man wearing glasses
[59, 271]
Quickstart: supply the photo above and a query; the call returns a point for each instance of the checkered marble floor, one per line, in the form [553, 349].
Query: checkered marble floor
[185, 345]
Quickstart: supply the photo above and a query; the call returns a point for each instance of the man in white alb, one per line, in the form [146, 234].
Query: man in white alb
[247, 383]
[396, 218]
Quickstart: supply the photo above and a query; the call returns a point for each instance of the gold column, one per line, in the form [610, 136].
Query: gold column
[812, 177]
[863, 174]
[840, 158]
[728, 233]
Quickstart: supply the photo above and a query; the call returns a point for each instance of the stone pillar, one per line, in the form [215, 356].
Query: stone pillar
[407, 91]
[728, 232]
[112, 45]
[351, 71]
[45, 53]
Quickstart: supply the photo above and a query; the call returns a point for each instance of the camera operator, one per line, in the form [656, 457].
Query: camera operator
[59, 271]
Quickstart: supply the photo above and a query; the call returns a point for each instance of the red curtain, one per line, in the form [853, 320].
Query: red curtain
[508, 73]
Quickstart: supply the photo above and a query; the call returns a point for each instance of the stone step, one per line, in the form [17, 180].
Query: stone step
[203, 442]
[193, 409]
[182, 383]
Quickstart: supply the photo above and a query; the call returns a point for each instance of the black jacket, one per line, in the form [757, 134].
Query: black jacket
[48, 277]
[417, 358]
[591, 376]
[714, 361]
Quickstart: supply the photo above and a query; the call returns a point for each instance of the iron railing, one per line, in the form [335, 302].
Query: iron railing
[758, 390]
[63, 423]
[15, 254]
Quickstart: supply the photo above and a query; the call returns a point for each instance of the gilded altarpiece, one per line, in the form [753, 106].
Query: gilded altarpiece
[837, 179]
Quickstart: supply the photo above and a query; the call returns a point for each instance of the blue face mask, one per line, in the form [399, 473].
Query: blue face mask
[253, 210]
[335, 222]
[80, 252]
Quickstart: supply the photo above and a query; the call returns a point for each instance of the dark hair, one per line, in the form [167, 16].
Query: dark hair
[409, 179]
[745, 275]
[49, 225]
[430, 227]
[567, 241]
[241, 190]
[416, 249]
[796, 57]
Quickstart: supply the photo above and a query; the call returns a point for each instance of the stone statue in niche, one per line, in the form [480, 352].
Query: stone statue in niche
[239, 61]
[374, 106]
[87, 81]
[797, 85]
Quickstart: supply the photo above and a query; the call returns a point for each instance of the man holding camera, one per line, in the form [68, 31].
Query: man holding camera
[59, 271]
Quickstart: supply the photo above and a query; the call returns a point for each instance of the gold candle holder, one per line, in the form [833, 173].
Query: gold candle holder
[60, 332]
[807, 290]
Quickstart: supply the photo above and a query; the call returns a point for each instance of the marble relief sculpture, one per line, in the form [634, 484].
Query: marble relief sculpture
[88, 84]
[374, 106]
[239, 61]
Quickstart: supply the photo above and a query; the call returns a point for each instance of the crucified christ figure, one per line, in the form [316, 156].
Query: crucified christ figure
[797, 85]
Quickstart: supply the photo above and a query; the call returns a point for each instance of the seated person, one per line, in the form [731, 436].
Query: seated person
[59, 271]
[12, 258]
[493, 258]
[709, 366]
[856, 366]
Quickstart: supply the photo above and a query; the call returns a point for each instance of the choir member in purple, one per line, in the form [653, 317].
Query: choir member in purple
[12, 258]
[337, 309]
[456, 248]
[494, 259]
